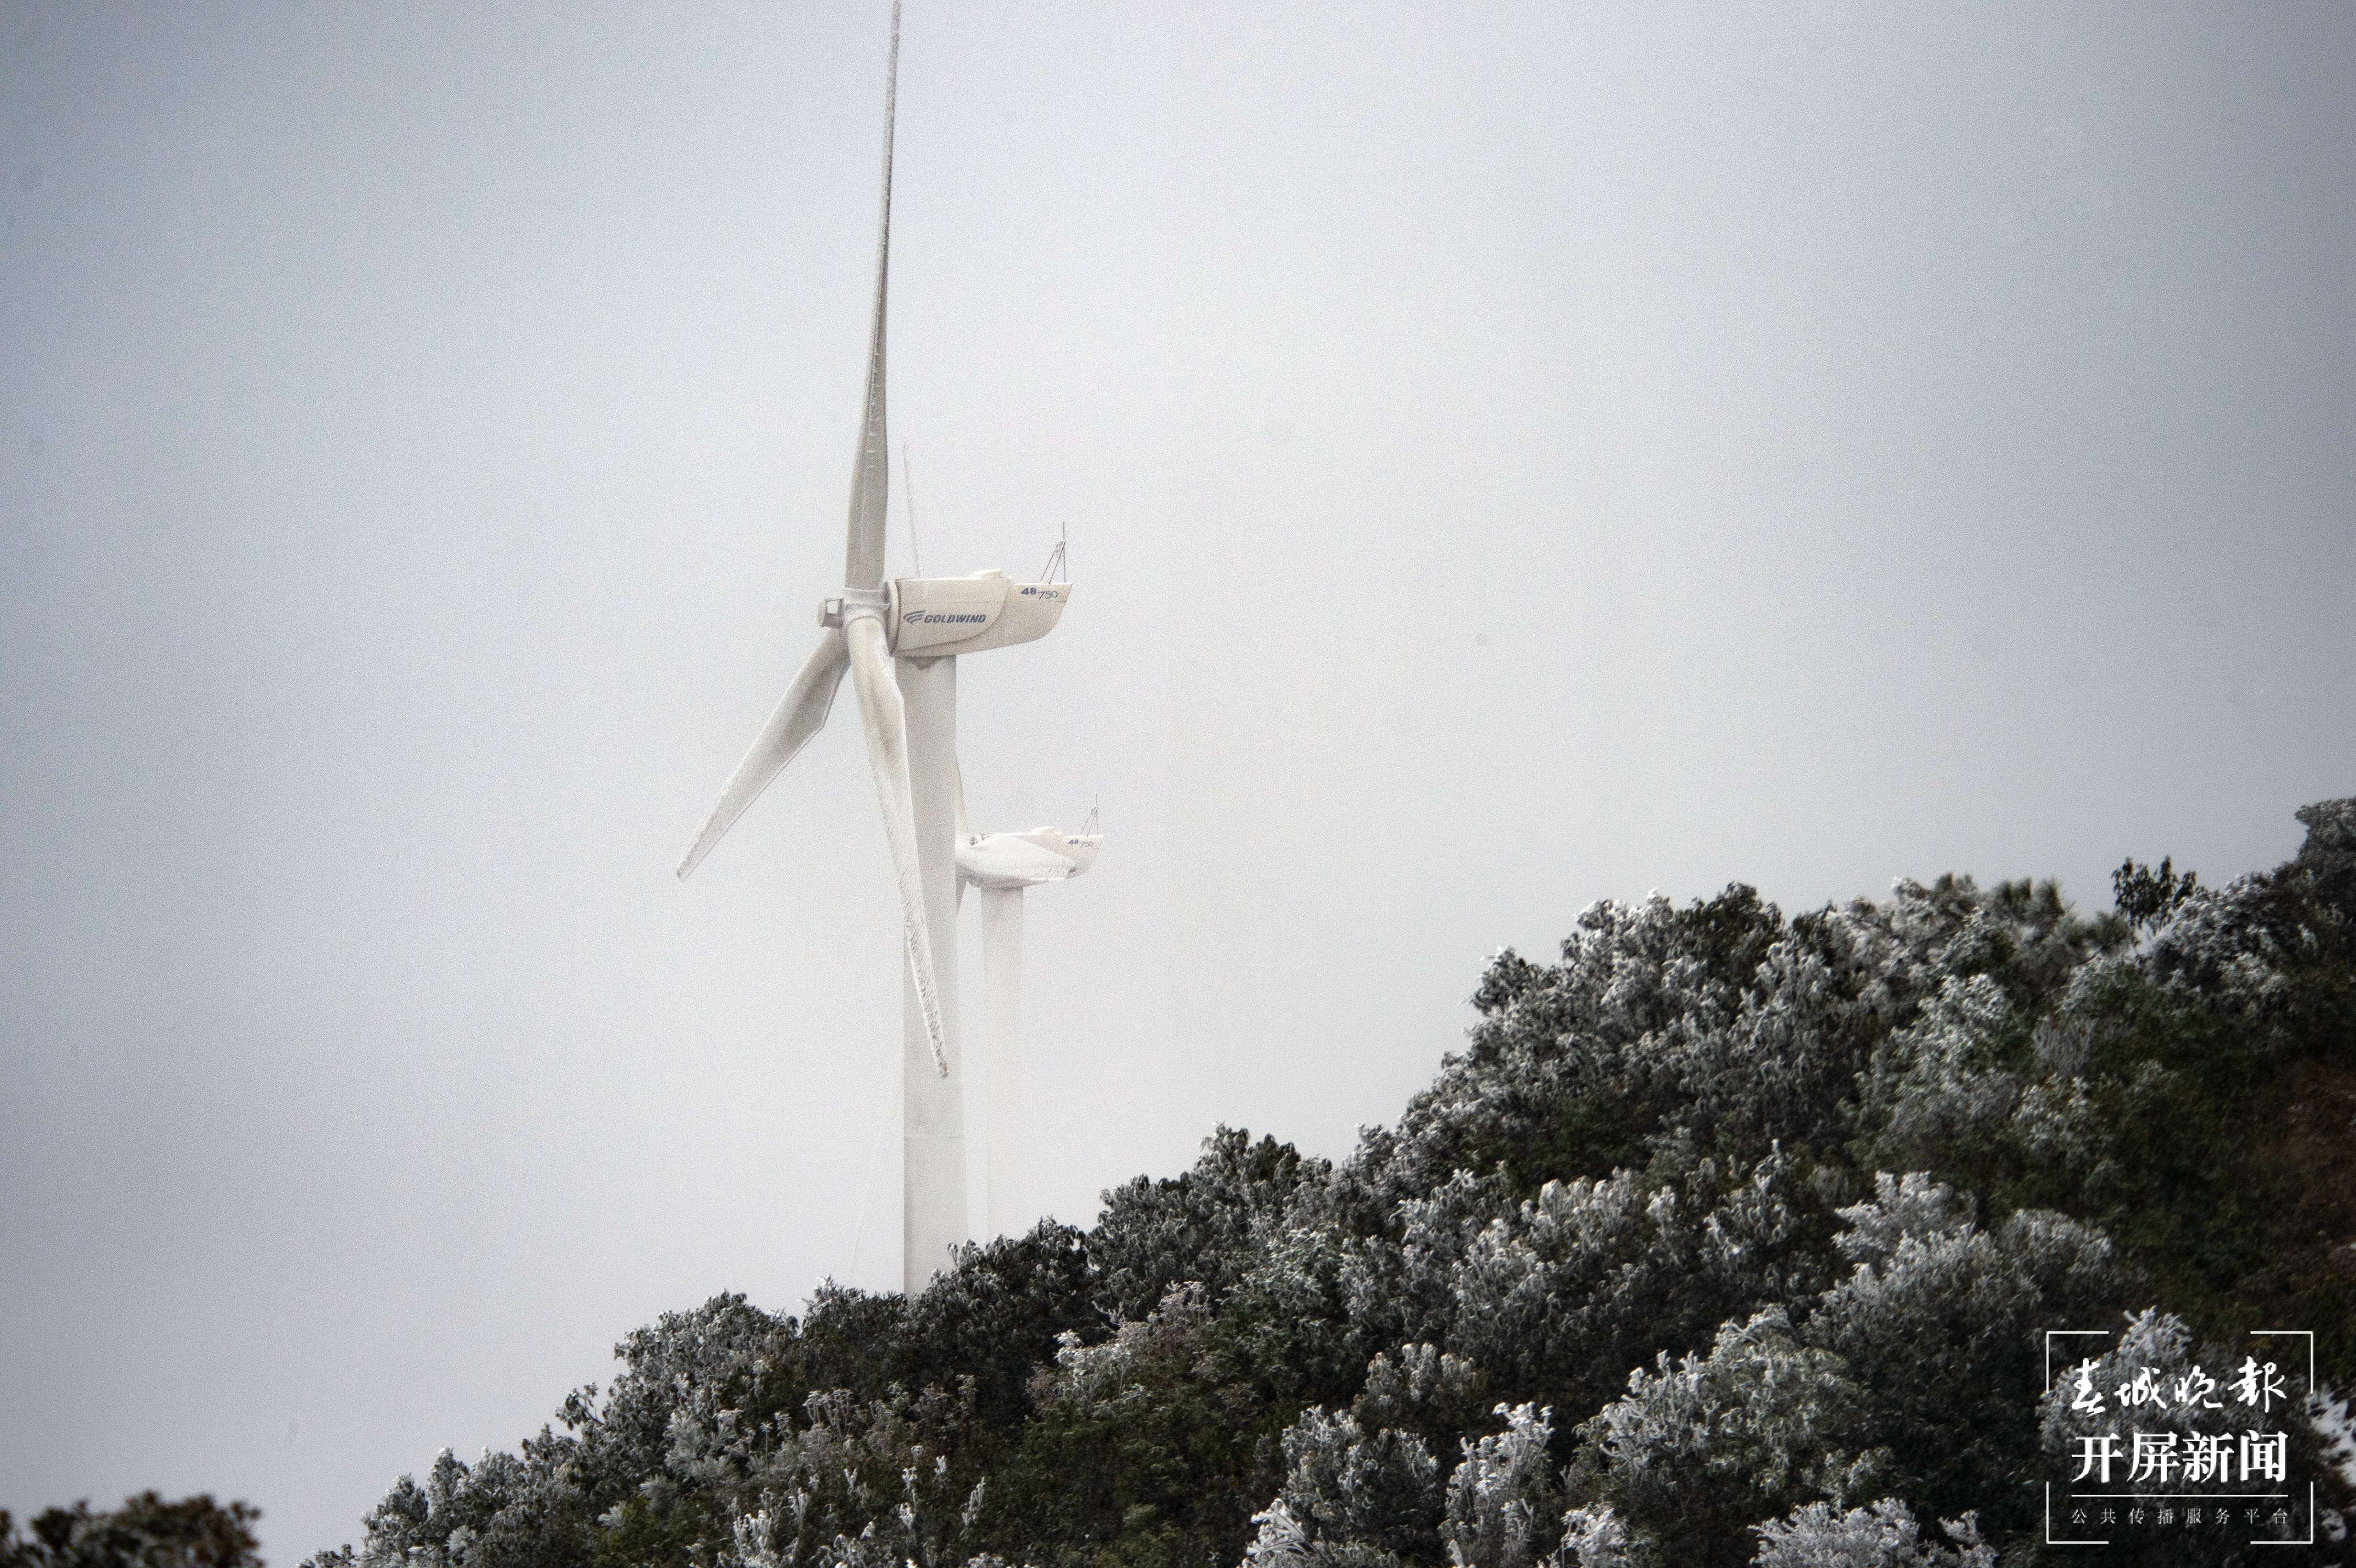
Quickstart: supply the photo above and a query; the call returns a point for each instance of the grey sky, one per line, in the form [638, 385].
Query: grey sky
[1511, 460]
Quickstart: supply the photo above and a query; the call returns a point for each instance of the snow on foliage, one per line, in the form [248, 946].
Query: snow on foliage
[1816, 1535]
[1728, 1239]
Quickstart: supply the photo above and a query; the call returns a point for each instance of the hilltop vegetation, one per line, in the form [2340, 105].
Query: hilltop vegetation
[1729, 1237]
[144, 1533]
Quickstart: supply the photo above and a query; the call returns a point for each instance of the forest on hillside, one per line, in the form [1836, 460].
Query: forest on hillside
[1729, 1237]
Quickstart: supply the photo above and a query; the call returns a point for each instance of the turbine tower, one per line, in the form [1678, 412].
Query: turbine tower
[900, 642]
[1003, 865]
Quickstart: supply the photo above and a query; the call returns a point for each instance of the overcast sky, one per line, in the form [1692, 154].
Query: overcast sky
[1511, 460]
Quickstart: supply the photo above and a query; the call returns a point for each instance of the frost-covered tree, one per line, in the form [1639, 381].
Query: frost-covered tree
[1561, 1292]
[1699, 1448]
[1367, 1481]
[725, 1355]
[505, 1510]
[144, 1533]
[1205, 1226]
[1818, 1535]
[1286, 1328]
[1137, 1448]
[1351, 1495]
[2143, 897]
[1566, 1074]
[1594, 1537]
[1424, 1389]
[864, 1483]
[1504, 1500]
[1940, 1324]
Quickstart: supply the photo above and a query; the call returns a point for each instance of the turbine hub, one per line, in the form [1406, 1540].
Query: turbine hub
[855, 602]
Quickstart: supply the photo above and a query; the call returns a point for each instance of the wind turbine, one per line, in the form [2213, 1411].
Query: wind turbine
[1003, 865]
[900, 642]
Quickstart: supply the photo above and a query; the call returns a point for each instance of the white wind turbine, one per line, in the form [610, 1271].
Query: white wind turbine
[900, 640]
[1003, 865]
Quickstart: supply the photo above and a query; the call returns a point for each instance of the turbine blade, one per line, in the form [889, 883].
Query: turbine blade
[871, 477]
[963, 831]
[887, 755]
[801, 714]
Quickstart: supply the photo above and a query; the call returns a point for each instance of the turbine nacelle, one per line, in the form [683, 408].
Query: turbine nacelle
[938, 617]
[1024, 859]
[1080, 848]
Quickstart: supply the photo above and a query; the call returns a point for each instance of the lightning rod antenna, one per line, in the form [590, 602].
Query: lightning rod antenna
[1056, 562]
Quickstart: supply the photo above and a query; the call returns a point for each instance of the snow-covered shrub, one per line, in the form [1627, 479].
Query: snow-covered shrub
[1699, 1448]
[1818, 1535]
[1504, 1499]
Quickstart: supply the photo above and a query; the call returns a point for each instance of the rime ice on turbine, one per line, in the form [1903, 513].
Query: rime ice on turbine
[899, 641]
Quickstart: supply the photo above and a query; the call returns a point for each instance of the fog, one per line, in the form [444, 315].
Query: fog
[1509, 461]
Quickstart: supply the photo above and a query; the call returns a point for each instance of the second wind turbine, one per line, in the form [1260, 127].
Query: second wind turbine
[900, 642]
